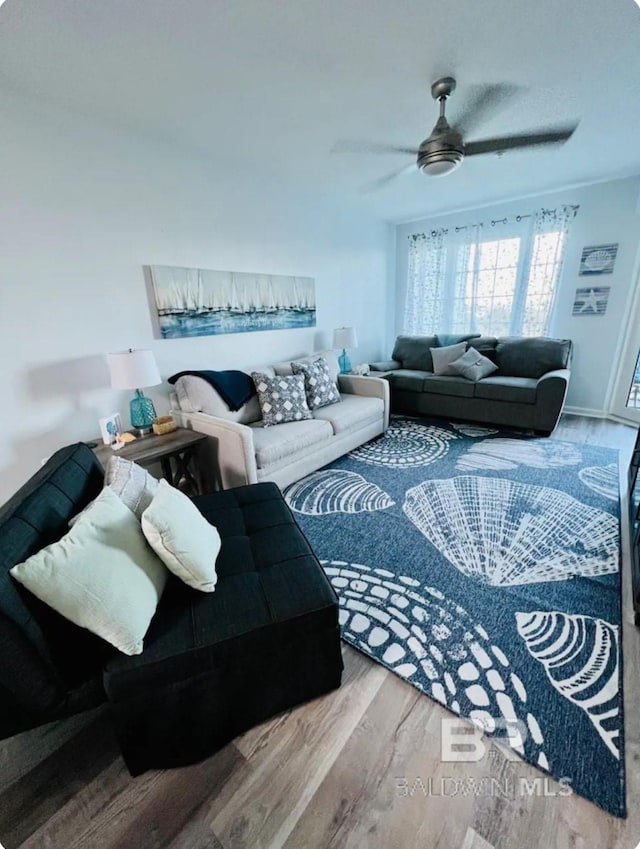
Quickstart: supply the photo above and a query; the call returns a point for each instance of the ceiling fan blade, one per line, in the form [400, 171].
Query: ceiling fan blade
[370, 147]
[484, 101]
[381, 182]
[504, 143]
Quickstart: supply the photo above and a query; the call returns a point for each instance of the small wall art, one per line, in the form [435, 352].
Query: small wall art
[110, 428]
[198, 302]
[598, 259]
[592, 301]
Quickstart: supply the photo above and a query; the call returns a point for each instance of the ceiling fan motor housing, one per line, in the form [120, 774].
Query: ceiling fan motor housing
[441, 153]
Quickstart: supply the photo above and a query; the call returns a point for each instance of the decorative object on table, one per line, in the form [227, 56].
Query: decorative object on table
[483, 568]
[125, 438]
[110, 428]
[344, 337]
[361, 369]
[133, 370]
[598, 259]
[591, 301]
[164, 424]
[199, 302]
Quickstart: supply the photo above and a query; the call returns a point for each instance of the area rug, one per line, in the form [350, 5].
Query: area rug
[483, 567]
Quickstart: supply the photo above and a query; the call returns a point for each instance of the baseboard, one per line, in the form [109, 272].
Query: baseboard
[586, 411]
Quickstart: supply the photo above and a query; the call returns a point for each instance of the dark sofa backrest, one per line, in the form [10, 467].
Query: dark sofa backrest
[41, 654]
[532, 356]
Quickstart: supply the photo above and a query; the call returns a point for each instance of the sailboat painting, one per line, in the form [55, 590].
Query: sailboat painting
[197, 302]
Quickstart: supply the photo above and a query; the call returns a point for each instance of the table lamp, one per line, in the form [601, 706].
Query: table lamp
[132, 370]
[344, 337]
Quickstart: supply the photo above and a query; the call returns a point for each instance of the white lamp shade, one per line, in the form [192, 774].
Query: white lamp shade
[133, 369]
[345, 337]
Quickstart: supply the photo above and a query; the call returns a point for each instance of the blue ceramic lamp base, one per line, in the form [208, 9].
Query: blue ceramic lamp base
[142, 412]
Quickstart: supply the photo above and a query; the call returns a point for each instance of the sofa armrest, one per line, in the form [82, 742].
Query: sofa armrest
[231, 449]
[550, 394]
[385, 365]
[372, 387]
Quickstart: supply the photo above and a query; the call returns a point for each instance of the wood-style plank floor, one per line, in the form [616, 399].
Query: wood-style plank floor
[330, 775]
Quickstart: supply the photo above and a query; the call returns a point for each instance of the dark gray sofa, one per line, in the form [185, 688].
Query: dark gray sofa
[213, 664]
[527, 390]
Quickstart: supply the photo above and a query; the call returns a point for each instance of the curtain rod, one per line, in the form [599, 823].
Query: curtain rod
[444, 230]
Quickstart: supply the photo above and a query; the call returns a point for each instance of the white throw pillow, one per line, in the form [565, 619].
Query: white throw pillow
[443, 357]
[182, 538]
[102, 575]
[131, 483]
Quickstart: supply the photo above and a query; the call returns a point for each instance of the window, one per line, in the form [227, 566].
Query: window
[499, 283]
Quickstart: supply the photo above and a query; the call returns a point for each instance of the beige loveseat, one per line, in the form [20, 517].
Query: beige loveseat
[244, 451]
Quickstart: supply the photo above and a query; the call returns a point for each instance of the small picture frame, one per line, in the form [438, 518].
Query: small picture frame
[110, 428]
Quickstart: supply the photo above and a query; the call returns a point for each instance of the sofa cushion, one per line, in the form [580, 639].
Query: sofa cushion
[182, 538]
[102, 575]
[36, 666]
[351, 413]
[409, 380]
[267, 576]
[272, 444]
[196, 395]
[473, 365]
[443, 357]
[319, 383]
[444, 384]
[532, 357]
[282, 399]
[517, 390]
[413, 352]
[284, 368]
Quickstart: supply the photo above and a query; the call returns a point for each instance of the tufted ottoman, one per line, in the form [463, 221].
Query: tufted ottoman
[215, 664]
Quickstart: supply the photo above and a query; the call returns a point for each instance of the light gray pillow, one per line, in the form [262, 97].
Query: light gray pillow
[133, 485]
[443, 357]
[102, 575]
[473, 365]
[282, 399]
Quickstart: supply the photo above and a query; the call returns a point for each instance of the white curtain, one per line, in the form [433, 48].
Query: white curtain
[424, 304]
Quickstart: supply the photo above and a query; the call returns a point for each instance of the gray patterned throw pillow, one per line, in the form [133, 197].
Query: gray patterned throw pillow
[282, 399]
[321, 389]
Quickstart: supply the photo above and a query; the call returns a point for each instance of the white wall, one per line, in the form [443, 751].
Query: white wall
[609, 213]
[84, 208]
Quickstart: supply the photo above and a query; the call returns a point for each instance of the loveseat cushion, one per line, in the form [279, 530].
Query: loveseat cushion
[351, 413]
[196, 395]
[413, 352]
[276, 443]
[36, 666]
[516, 390]
[444, 384]
[409, 380]
[284, 368]
[270, 588]
[531, 357]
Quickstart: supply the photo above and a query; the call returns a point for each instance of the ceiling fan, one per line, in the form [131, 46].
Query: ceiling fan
[444, 149]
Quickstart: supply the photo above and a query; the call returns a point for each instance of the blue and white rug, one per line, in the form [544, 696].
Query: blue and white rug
[483, 567]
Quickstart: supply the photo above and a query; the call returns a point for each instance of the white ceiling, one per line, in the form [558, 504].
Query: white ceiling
[269, 85]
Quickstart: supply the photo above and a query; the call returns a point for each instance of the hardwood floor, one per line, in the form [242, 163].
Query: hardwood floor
[330, 775]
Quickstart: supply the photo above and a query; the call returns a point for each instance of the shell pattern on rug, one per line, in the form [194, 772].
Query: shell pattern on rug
[503, 532]
[434, 644]
[505, 453]
[604, 480]
[336, 491]
[580, 657]
[406, 444]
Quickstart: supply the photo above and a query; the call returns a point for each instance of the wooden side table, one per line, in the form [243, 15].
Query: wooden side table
[176, 452]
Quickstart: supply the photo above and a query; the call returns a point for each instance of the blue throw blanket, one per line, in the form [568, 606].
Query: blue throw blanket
[234, 387]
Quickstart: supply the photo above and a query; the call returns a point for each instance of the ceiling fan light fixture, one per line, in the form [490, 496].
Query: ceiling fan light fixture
[438, 166]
